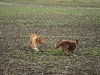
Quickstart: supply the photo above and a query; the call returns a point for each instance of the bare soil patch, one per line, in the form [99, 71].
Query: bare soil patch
[17, 57]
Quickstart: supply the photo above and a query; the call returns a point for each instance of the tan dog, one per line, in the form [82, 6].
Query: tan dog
[35, 40]
[67, 46]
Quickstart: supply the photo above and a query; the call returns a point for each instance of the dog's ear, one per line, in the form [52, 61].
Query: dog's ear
[38, 38]
[76, 41]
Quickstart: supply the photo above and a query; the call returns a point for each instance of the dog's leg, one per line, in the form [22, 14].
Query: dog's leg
[66, 52]
[34, 47]
[73, 53]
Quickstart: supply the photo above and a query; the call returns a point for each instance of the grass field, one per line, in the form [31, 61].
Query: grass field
[54, 20]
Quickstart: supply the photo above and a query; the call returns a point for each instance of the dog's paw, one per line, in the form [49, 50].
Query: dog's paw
[74, 55]
[36, 49]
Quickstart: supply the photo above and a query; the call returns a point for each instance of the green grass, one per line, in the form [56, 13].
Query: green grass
[95, 52]
[16, 13]
[50, 12]
[48, 52]
[17, 52]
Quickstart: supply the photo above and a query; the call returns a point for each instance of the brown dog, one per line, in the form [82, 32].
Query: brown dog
[67, 46]
[35, 40]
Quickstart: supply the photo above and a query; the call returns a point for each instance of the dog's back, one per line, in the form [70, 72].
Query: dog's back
[66, 43]
[71, 44]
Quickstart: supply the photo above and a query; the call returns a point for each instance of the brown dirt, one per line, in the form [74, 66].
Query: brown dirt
[16, 38]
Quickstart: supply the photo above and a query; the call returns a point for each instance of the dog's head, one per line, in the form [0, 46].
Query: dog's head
[40, 40]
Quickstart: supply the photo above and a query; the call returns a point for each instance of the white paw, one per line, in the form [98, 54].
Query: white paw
[74, 55]
[36, 49]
